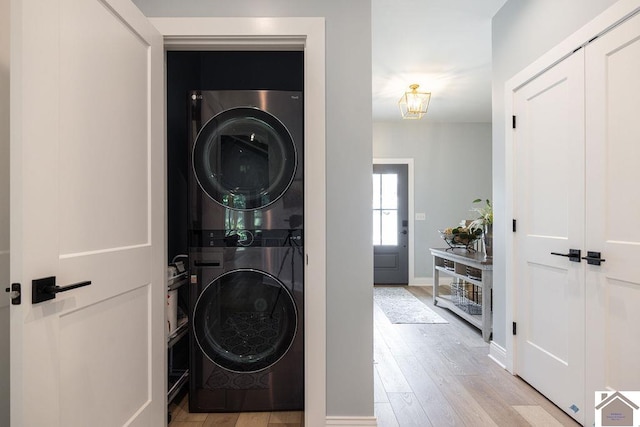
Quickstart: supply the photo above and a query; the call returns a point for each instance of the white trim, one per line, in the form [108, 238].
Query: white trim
[308, 35]
[509, 291]
[236, 43]
[615, 14]
[351, 421]
[498, 354]
[421, 281]
[410, 207]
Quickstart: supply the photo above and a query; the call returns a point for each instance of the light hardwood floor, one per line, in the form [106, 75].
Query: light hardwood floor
[425, 375]
[182, 418]
[440, 375]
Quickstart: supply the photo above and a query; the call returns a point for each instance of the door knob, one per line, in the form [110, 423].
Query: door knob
[593, 258]
[573, 255]
[46, 288]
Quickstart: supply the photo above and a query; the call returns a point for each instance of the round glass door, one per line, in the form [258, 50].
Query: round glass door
[245, 320]
[244, 158]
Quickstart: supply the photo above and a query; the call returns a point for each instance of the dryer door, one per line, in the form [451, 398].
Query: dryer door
[244, 158]
[245, 320]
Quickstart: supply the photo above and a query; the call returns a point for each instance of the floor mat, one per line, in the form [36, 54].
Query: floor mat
[400, 306]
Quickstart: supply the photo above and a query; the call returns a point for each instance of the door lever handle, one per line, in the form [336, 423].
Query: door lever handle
[46, 288]
[593, 258]
[573, 255]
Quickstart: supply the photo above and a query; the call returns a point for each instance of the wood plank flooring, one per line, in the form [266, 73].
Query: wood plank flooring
[424, 375]
[440, 375]
[180, 417]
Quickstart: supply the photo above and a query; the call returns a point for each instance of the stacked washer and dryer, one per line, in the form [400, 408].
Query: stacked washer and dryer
[246, 251]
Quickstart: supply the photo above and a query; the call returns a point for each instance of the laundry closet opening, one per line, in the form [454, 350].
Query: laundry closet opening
[235, 145]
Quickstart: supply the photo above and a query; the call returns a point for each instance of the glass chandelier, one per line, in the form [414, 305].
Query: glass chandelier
[414, 104]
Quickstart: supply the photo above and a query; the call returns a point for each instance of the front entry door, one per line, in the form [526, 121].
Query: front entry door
[87, 205]
[390, 224]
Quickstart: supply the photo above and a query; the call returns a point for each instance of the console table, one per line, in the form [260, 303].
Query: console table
[470, 293]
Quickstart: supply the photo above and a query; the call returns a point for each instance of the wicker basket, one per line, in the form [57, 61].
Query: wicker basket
[474, 273]
[448, 264]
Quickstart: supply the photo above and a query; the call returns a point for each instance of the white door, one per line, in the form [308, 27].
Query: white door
[613, 209]
[549, 207]
[87, 204]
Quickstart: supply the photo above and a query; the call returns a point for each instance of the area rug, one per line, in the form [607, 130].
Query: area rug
[400, 306]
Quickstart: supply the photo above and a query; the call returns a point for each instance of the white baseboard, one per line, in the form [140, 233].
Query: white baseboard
[421, 281]
[498, 354]
[351, 422]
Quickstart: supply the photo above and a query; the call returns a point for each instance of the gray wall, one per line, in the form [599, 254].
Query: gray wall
[349, 254]
[452, 168]
[522, 31]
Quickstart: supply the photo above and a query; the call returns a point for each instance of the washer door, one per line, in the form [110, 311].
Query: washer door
[245, 320]
[244, 158]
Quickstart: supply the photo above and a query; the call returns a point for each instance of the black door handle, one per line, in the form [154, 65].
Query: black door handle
[573, 255]
[593, 258]
[46, 288]
[404, 231]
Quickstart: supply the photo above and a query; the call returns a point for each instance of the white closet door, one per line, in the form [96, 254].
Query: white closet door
[613, 209]
[549, 207]
[87, 204]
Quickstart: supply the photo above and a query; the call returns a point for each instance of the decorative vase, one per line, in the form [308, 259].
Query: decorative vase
[487, 240]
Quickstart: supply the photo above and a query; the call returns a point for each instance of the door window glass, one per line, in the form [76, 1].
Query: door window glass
[244, 158]
[385, 209]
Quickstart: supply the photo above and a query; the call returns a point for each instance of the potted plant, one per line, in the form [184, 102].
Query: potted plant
[485, 223]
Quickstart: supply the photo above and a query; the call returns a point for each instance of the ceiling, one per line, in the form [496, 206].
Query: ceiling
[442, 45]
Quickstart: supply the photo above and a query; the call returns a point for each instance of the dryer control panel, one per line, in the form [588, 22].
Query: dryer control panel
[245, 238]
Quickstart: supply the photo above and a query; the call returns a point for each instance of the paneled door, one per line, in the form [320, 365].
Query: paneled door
[576, 153]
[390, 224]
[613, 209]
[87, 205]
[549, 207]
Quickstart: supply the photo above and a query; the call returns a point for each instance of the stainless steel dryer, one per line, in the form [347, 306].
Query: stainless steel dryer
[246, 160]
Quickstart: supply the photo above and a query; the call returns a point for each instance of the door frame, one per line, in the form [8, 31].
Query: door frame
[4, 210]
[307, 35]
[410, 207]
[602, 23]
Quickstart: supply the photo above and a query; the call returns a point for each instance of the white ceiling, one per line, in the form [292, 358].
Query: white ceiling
[442, 45]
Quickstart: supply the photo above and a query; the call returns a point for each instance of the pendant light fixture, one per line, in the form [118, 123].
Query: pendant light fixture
[414, 104]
